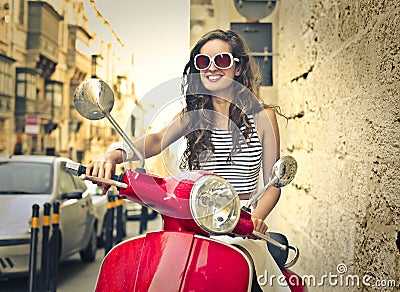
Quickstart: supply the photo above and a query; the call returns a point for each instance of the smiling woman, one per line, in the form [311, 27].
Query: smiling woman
[228, 130]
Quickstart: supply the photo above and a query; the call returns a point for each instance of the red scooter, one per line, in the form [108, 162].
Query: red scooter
[197, 208]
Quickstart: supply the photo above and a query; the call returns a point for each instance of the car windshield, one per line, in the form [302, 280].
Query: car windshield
[25, 178]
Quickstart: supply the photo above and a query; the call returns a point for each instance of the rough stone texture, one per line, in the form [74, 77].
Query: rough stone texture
[339, 86]
[336, 78]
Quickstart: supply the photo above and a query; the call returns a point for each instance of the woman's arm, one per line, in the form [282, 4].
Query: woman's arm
[268, 130]
[149, 145]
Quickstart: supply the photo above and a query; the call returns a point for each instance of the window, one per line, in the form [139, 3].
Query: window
[94, 65]
[26, 83]
[21, 11]
[66, 182]
[5, 77]
[53, 92]
[133, 126]
[80, 184]
[37, 178]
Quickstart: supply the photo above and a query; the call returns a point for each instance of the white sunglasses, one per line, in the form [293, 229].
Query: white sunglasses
[221, 61]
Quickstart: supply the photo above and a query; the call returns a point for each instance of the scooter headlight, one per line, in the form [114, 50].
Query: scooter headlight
[214, 204]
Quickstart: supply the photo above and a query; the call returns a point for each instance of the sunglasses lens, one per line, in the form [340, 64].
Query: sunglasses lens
[202, 62]
[223, 61]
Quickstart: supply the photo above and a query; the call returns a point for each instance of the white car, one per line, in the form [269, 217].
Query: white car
[29, 180]
[100, 205]
[134, 211]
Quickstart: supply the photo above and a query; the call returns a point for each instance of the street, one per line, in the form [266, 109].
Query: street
[73, 274]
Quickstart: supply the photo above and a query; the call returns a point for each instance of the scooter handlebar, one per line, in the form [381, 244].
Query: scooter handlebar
[268, 238]
[79, 169]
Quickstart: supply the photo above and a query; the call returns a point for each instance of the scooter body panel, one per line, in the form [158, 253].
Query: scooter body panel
[215, 266]
[173, 261]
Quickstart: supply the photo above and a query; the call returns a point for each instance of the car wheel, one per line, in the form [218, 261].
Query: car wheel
[88, 255]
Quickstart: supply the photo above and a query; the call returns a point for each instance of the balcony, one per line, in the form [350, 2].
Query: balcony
[42, 43]
[78, 60]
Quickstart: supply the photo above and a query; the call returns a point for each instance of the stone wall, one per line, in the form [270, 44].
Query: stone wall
[338, 84]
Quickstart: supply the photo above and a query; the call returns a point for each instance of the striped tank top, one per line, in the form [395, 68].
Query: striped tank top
[243, 169]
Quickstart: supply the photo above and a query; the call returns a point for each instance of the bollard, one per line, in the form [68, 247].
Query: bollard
[54, 248]
[44, 269]
[143, 220]
[33, 247]
[119, 227]
[109, 223]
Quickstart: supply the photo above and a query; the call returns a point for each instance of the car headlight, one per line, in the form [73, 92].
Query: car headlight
[214, 204]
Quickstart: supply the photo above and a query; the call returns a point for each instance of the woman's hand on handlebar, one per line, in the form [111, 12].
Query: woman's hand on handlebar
[259, 225]
[104, 165]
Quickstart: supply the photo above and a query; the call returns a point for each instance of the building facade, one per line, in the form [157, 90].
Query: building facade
[46, 49]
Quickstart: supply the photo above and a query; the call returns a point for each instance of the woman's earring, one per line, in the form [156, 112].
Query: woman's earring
[238, 71]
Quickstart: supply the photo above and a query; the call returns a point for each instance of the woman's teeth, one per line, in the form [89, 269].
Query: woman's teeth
[214, 77]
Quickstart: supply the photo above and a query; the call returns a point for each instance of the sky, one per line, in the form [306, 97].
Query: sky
[155, 32]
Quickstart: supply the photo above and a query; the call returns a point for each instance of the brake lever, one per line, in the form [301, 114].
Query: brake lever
[104, 181]
[270, 240]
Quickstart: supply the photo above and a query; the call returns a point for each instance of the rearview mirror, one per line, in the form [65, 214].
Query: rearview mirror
[283, 171]
[75, 194]
[93, 99]
[281, 174]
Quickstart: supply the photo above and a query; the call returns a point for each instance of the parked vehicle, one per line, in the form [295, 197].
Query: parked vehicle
[194, 205]
[29, 180]
[134, 211]
[100, 206]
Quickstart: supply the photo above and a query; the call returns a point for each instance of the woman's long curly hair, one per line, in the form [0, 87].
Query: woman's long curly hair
[199, 103]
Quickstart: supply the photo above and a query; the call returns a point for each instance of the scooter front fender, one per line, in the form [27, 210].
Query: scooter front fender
[174, 261]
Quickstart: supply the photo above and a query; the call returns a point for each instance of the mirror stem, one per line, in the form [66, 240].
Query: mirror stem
[257, 196]
[126, 139]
